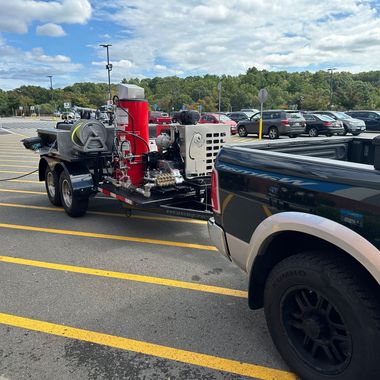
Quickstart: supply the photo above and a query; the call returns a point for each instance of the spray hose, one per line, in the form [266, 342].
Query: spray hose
[21, 176]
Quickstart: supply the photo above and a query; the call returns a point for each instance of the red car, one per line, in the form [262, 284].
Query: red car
[216, 118]
[156, 117]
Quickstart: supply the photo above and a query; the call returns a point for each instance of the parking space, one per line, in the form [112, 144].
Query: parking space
[110, 296]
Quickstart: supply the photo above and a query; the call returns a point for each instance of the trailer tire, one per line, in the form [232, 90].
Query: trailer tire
[324, 317]
[74, 206]
[52, 186]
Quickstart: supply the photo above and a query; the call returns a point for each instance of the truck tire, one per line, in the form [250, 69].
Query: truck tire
[273, 133]
[242, 131]
[52, 186]
[74, 206]
[324, 317]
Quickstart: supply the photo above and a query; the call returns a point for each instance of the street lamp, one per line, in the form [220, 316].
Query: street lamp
[51, 85]
[331, 70]
[219, 94]
[109, 68]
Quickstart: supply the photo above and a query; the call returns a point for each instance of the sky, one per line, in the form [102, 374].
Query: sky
[182, 37]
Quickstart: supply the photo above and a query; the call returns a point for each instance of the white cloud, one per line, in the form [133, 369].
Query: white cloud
[51, 30]
[227, 37]
[18, 68]
[15, 16]
[165, 37]
[37, 55]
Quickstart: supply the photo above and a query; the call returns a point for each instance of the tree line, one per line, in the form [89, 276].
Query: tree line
[299, 90]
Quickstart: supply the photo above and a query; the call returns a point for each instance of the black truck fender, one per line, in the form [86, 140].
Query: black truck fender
[80, 176]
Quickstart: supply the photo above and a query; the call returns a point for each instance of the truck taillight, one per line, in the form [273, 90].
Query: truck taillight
[215, 191]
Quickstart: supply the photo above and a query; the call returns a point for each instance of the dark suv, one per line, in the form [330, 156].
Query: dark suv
[351, 124]
[237, 116]
[276, 123]
[371, 118]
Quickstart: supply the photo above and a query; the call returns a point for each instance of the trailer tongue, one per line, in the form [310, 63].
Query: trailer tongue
[87, 157]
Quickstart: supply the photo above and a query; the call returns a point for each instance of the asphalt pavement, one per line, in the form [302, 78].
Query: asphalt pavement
[107, 296]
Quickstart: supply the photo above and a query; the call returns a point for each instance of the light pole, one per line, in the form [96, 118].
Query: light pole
[51, 85]
[109, 68]
[219, 94]
[331, 71]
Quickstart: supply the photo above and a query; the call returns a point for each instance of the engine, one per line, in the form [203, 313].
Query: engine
[185, 153]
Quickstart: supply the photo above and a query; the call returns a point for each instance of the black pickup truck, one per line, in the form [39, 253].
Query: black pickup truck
[302, 218]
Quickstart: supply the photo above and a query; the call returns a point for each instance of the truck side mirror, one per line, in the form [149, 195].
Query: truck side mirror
[376, 161]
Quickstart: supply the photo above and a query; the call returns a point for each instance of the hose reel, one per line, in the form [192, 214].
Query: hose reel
[89, 136]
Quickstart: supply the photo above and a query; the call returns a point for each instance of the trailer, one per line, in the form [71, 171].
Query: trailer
[88, 157]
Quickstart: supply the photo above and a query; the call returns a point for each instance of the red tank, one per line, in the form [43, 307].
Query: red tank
[130, 123]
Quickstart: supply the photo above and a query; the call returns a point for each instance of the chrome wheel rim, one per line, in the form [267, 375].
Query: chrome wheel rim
[241, 131]
[272, 134]
[50, 184]
[67, 193]
[312, 132]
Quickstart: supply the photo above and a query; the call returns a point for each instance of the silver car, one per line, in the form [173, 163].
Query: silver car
[351, 125]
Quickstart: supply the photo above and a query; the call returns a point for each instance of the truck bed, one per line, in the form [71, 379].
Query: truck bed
[351, 149]
[331, 177]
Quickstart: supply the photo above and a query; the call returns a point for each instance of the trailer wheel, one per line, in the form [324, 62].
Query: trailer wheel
[324, 317]
[52, 186]
[74, 206]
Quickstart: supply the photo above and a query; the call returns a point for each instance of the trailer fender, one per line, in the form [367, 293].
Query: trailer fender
[80, 177]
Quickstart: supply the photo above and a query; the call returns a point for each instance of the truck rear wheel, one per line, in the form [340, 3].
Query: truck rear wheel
[52, 186]
[323, 317]
[74, 206]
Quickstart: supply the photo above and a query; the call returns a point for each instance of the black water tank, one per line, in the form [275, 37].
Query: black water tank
[187, 117]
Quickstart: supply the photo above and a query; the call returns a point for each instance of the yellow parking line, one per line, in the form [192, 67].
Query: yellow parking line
[17, 161]
[18, 166]
[109, 237]
[22, 191]
[13, 172]
[19, 149]
[126, 276]
[17, 155]
[24, 181]
[164, 219]
[165, 352]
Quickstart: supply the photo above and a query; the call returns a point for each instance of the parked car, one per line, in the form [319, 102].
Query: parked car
[216, 118]
[276, 123]
[253, 110]
[319, 124]
[350, 124]
[371, 119]
[238, 116]
[157, 117]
